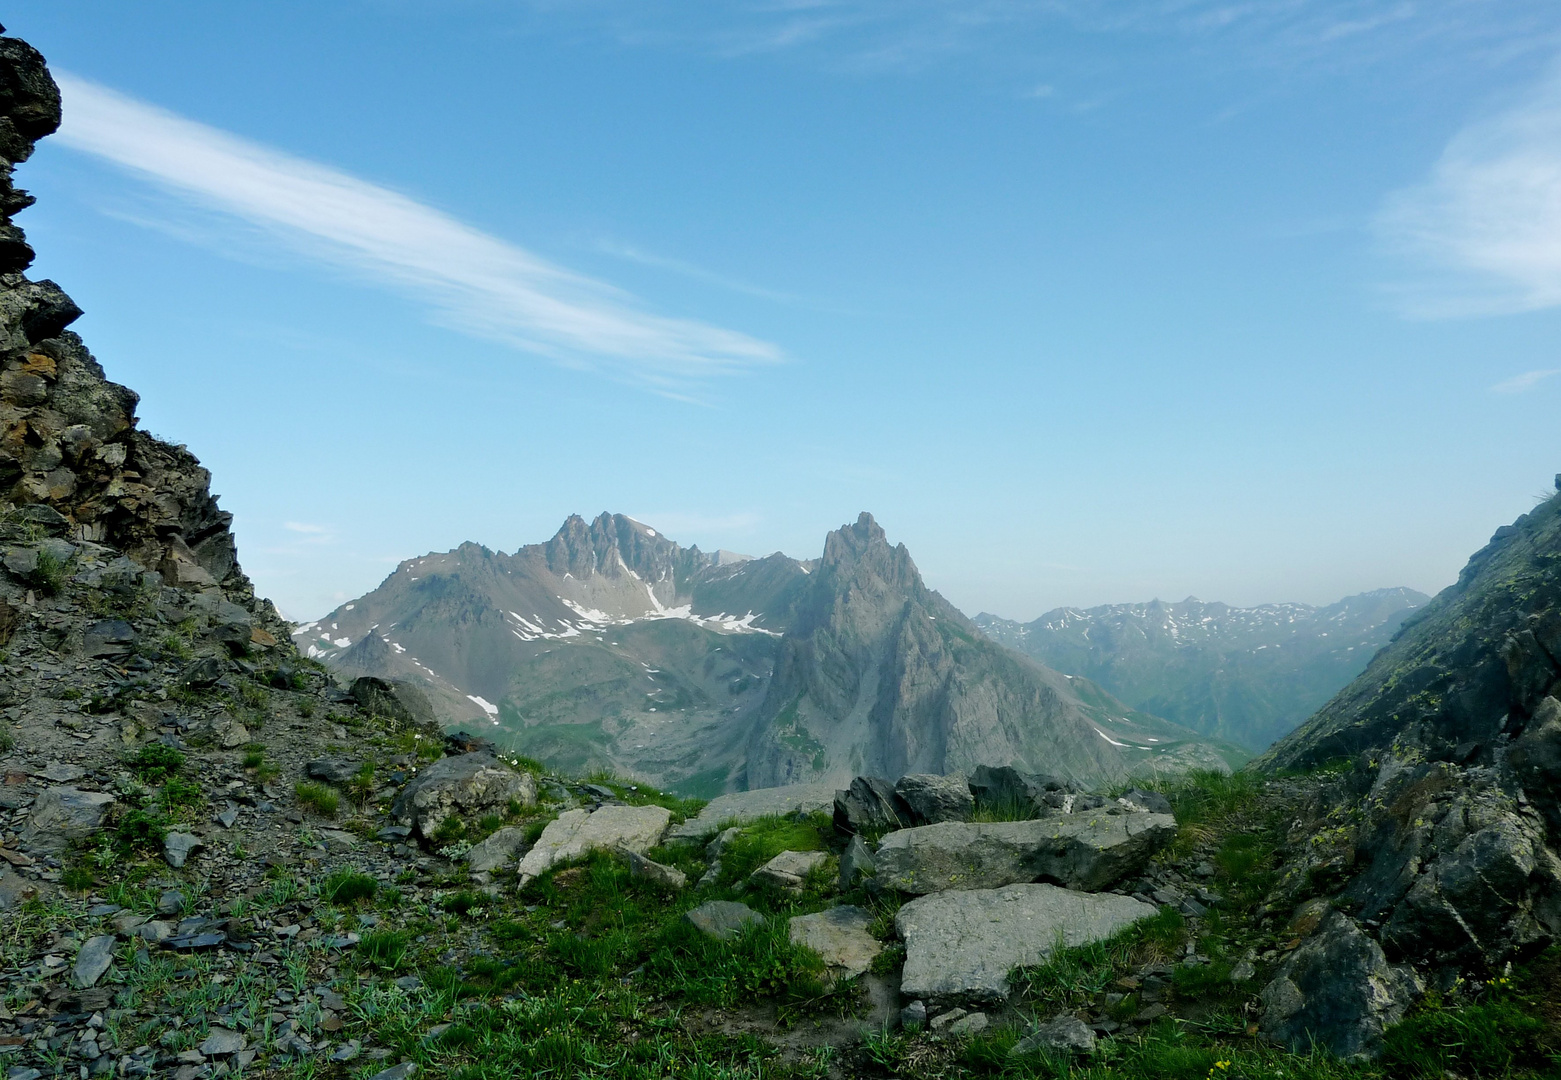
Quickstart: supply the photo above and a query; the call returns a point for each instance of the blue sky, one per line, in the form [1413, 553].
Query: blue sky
[1087, 300]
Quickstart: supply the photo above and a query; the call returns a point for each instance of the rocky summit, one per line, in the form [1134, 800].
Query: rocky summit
[613, 647]
[222, 857]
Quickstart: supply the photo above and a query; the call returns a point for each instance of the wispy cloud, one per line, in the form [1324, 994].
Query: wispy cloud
[471, 282]
[633, 254]
[305, 528]
[1526, 381]
[1486, 223]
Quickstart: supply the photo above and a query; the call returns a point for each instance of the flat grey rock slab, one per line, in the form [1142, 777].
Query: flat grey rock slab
[93, 959]
[1066, 1033]
[742, 807]
[575, 832]
[790, 869]
[221, 1042]
[722, 919]
[63, 814]
[1087, 851]
[840, 938]
[962, 945]
[497, 851]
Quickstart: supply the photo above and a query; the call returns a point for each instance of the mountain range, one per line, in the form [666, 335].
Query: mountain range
[1249, 675]
[612, 647]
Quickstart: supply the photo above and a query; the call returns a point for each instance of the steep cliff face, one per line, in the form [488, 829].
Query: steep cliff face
[880, 675]
[72, 460]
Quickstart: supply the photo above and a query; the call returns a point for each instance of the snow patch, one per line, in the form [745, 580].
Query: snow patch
[491, 710]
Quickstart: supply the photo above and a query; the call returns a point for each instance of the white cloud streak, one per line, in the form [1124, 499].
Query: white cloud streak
[471, 282]
[1486, 223]
[1526, 381]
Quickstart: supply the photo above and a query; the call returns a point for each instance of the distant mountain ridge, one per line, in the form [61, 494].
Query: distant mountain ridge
[611, 646]
[1249, 675]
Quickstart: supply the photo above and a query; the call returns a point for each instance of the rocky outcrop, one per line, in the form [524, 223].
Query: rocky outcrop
[931, 798]
[841, 938]
[961, 946]
[1086, 852]
[468, 784]
[1338, 992]
[744, 807]
[576, 832]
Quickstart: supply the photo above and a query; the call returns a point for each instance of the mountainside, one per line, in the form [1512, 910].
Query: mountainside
[1249, 675]
[610, 646]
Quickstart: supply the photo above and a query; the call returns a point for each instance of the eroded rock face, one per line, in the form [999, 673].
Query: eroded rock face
[472, 784]
[575, 832]
[870, 804]
[961, 946]
[1087, 852]
[1338, 991]
[497, 851]
[397, 699]
[932, 799]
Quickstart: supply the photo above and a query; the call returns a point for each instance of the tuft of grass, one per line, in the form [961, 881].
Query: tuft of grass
[766, 838]
[254, 756]
[1072, 978]
[140, 831]
[50, 573]
[385, 949]
[361, 786]
[348, 887]
[154, 763]
[179, 794]
[317, 797]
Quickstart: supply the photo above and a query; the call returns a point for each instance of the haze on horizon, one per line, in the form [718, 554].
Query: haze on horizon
[1085, 302]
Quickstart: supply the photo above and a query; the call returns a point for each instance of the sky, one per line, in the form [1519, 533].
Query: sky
[1087, 301]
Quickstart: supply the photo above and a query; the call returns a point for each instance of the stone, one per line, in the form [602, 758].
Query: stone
[745, 807]
[227, 819]
[221, 1042]
[1244, 971]
[1336, 991]
[1007, 789]
[947, 1017]
[179, 846]
[1087, 852]
[966, 1026]
[789, 870]
[348, 1051]
[932, 798]
[658, 874]
[722, 920]
[405, 1071]
[723, 840]
[332, 770]
[961, 946]
[108, 637]
[497, 851]
[171, 902]
[63, 814]
[203, 673]
[222, 731]
[1064, 1033]
[840, 937]
[869, 805]
[61, 773]
[472, 784]
[856, 864]
[396, 699]
[575, 832]
[1139, 800]
[914, 1014]
[93, 960]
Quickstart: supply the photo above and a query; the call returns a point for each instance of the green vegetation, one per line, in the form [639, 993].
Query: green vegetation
[346, 887]
[154, 763]
[766, 838]
[317, 797]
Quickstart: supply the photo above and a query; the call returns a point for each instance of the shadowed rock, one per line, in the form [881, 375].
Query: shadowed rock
[466, 784]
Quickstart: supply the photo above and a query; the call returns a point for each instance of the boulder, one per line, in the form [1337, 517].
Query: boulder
[1139, 800]
[932, 799]
[468, 784]
[1067, 1034]
[870, 805]
[575, 832]
[840, 938]
[332, 770]
[1007, 789]
[856, 864]
[658, 874]
[790, 869]
[222, 1042]
[1336, 991]
[722, 920]
[222, 731]
[497, 851]
[63, 814]
[742, 807]
[396, 699]
[203, 673]
[1083, 852]
[961, 946]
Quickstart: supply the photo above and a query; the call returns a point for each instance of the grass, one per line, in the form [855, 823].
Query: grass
[766, 838]
[1074, 978]
[317, 797]
[348, 887]
[155, 763]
